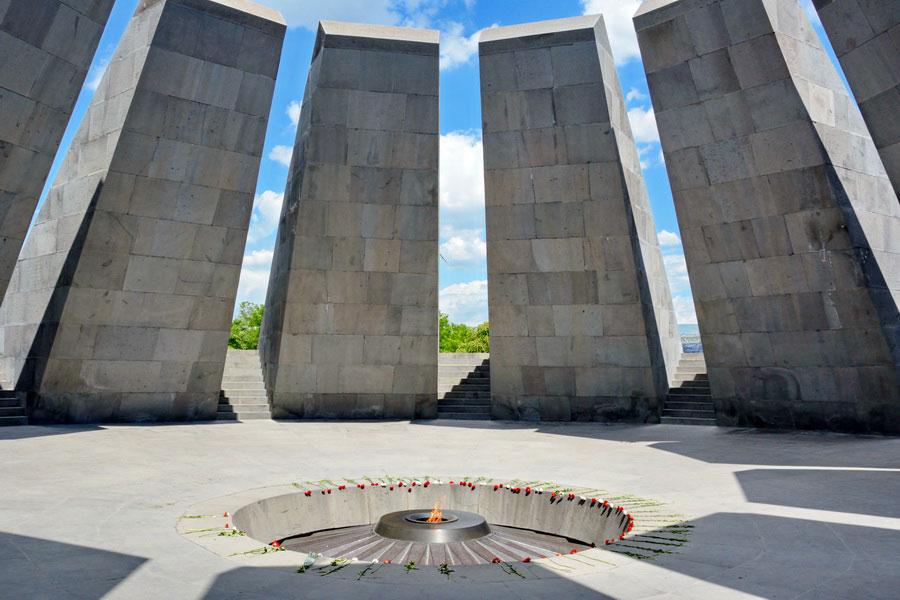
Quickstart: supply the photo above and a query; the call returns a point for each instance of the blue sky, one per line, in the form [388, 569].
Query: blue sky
[463, 277]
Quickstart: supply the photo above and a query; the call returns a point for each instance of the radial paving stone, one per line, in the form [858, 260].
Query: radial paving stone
[46, 50]
[865, 35]
[121, 302]
[582, 322]
[351, 322]
[790, 225]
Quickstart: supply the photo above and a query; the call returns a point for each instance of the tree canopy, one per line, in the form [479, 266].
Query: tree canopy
[458, 337]
[245, 328]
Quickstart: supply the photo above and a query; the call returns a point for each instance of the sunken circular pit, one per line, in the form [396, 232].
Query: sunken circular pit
[382, 525]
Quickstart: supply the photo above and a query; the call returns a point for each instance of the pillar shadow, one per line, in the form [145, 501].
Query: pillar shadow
[38, 568]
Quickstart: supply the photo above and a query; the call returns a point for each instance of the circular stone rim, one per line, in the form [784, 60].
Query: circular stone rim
[466, 526]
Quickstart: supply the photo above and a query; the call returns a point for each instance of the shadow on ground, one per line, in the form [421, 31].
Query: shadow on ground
[36, 568]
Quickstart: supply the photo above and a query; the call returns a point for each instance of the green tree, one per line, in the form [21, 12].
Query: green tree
[459, 338]
[245, 328]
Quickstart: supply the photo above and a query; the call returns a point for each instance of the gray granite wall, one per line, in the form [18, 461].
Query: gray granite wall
[46, 49]
[120, 305]
[582, 324]
[790, 225]
[865, 35]
[351, 322]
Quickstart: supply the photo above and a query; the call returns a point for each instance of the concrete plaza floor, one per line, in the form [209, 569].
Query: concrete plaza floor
[90, 511]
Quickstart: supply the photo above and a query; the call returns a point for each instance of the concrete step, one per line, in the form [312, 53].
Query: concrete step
[675, 405]
[242, 408]
[469, 388]
[686, 421]
[261, 399]
[243, 393]
[689, 392]
[463, 408]
[690, 370]
[13, 421]
[456, 394]
[694, 383]
[9, 403]
[15, 411]
[243, 385]
[465, 416]
[465, 401]
[689, 414]
[222, 416]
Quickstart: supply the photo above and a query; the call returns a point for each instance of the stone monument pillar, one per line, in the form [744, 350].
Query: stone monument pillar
[790, 225]
[46, 49]
[351, 322]
[582, 324]
[121, 302]
[865, 35]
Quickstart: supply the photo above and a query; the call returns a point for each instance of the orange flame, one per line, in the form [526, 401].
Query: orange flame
[437, 515]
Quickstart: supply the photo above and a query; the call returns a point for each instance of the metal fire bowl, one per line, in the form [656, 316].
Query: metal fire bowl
[410, 526]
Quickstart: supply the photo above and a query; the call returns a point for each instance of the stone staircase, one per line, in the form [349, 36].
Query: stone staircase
[690, 401]
[243, 396]
[12, 412]
[464, 387]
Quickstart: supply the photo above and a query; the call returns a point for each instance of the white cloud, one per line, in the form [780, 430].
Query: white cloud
[282, 155]
[465, 302]
[293, 112]
[635, 94]
[617, 15]
[462, 251]
[685, 313]
[643, 125]
[667, 238]
[95, 76]
[676, 269]
[462, 172]
[256, 258]
[456, 48]
[266, 213]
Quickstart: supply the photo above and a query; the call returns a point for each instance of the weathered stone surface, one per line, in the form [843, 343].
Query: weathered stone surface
[582, 324]
[46, 51]
[351, 320]
[865, 35]
[120, 304]
[788, 218]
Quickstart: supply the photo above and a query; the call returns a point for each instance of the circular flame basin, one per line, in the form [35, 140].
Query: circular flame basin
[413, 526]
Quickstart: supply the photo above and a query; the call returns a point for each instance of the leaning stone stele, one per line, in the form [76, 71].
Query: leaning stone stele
[865, 35]
[582, 323]
[46, 49]
[121, 302]
[351, 322]
[791, 228]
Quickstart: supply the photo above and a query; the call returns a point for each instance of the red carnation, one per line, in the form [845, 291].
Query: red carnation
[496, 487]
[622, 536]
[606, 503]
[226, 526]
[593, 501]
[400, 484]
[329, 491]
[451, 483]
[553, 495]
[392, 487]
[528, 490]
[307, 493]
[527, 559]
[427, 483]
[574, 551]
[387, 561]
[276, 543]
[501, 485]
[409, 490]
[225, 515]
[607, 542]
[496, 560]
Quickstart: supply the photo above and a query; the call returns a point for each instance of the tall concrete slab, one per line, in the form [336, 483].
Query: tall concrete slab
[582, 323]
[865, 35]
[121, 302]
[46, 49]
[351, 322]
[790, 225]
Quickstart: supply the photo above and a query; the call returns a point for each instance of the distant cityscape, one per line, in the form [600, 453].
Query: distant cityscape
[690, 339]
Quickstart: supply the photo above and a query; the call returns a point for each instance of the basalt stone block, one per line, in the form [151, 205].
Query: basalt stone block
[578, 293]
[351, 320]
[120, 306]
[47, 50]
[865, 35]
[787, 214]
